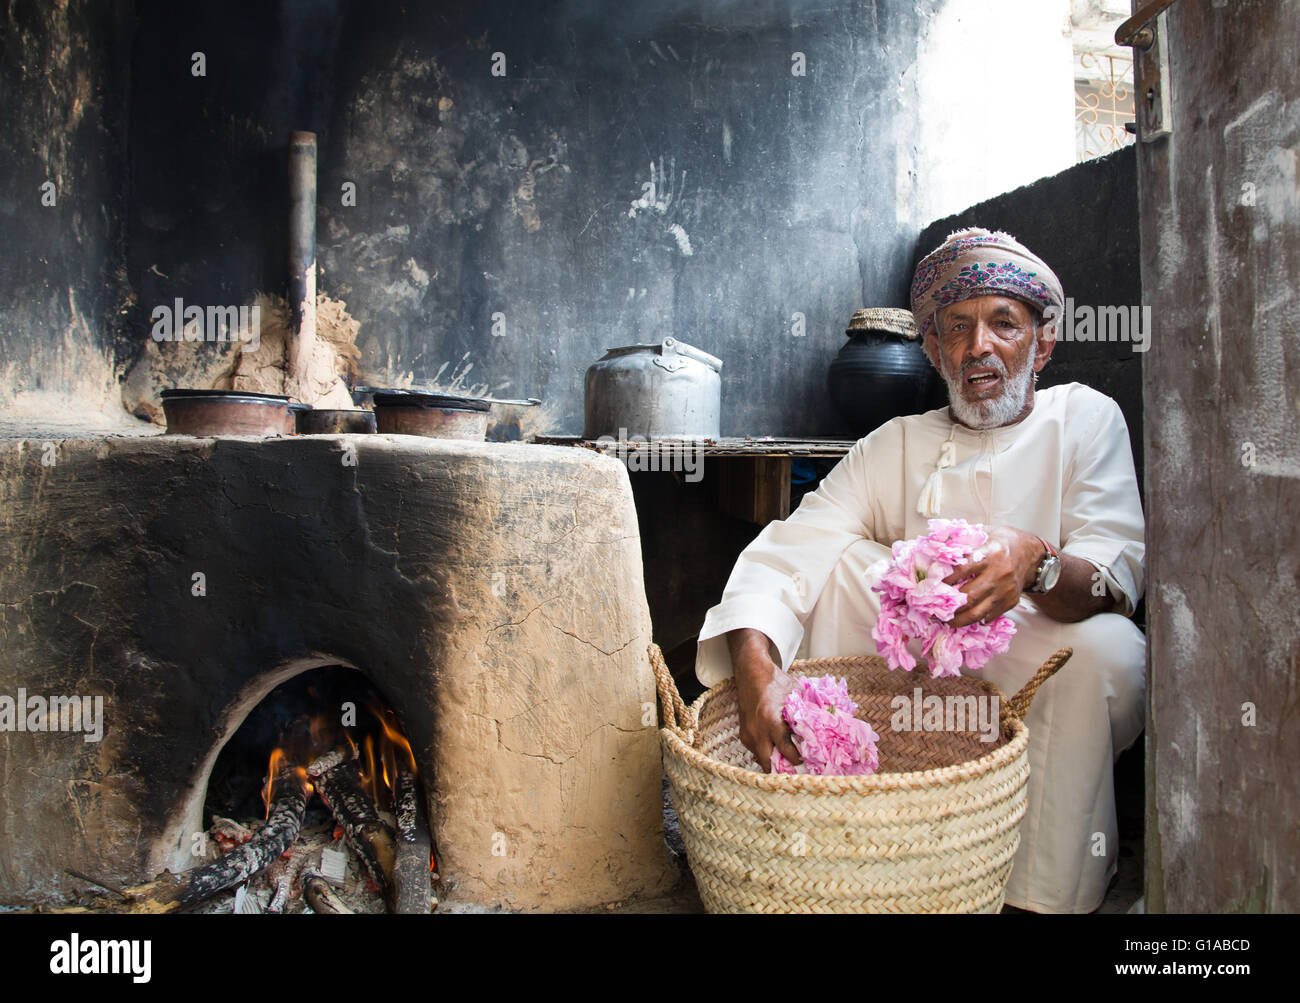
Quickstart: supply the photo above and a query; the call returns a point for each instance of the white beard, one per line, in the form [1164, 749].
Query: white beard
[1000, 410]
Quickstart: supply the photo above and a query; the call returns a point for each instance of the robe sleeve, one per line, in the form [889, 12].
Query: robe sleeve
[1101, 511]
[780, 575]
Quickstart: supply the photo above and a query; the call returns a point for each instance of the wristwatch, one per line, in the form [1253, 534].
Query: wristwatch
[1049, 572]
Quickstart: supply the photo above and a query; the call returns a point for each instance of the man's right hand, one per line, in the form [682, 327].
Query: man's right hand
[761, 687]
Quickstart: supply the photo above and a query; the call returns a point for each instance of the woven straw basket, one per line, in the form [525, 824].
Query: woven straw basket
[934, 830]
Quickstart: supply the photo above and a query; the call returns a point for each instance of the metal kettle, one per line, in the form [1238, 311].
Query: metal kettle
[669, 390]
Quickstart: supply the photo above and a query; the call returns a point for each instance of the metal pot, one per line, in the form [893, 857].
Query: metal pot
[669, 390]
[436, 416]
[226, 412]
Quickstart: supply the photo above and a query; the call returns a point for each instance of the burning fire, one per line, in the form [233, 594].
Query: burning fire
[368, 770]
[379, 760]
[395, 740]
[365, 776]
[380, 765]
[279, 759]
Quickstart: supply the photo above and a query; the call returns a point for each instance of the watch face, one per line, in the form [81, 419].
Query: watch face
[1050, 574]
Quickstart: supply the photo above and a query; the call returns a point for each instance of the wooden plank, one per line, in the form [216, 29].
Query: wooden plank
[771, 489]
[715, 447]
[754, 488]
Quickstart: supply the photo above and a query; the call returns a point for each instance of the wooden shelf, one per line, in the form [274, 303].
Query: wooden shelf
[752, 484]
[727, 446]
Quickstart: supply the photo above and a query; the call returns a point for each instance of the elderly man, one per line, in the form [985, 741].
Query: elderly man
[1050, 474]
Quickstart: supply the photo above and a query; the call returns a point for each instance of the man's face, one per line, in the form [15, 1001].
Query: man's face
[987, 350]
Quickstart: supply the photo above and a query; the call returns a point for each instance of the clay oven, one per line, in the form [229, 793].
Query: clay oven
[491, 592]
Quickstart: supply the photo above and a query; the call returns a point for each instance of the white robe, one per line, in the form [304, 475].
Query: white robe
[1064, 473]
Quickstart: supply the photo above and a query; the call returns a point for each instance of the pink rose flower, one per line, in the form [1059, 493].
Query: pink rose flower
[831, 741]
[916, 603]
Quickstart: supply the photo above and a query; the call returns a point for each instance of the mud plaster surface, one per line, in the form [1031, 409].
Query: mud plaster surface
[493, 592]
[259, 366]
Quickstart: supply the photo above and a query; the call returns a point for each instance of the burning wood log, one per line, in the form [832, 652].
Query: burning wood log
[338, 782]
[411, 889]
[322, 898]
[291, 791]
[284, 875]
[170, 892]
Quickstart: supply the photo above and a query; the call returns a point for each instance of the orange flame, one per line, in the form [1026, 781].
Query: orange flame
[382, 755]
[368, 774]
[396, 740]
[272, 772]
[388, 758]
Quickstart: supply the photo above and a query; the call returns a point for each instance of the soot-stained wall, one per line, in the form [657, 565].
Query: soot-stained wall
[1083, 222]
[63, 77]
[626, 174]
[216, 90]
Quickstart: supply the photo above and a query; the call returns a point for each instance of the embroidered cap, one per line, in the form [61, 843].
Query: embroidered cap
[979, 262]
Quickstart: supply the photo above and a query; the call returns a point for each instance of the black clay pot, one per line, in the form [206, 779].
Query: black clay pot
[879, 375]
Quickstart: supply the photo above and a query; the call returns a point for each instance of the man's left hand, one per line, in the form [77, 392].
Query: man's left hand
[998, 572]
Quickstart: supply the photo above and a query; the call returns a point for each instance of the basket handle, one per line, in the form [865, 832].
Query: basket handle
[677, 716]
[1019, 704]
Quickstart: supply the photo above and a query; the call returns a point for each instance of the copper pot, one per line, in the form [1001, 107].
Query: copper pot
[226, 412]
[435, 416]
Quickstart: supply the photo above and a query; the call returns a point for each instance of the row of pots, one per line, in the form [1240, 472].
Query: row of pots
[400, 412]
[668, 390]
